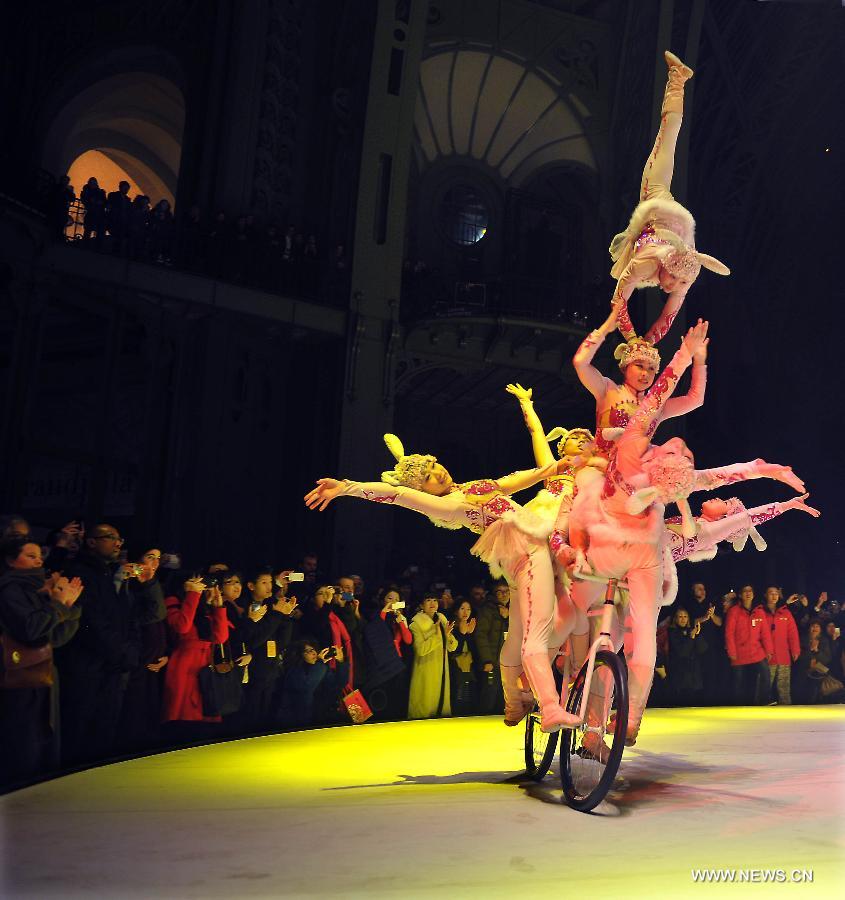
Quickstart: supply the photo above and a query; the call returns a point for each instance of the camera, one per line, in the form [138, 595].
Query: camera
[296, 576]
[212, 579]
[135, 570]
[331, 652]
[255, 606]
[399, 604]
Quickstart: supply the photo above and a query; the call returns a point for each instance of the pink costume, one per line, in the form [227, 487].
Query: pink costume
[621, 519]
[661, 233]
[615, 403]
[513, 542]
[736, 527]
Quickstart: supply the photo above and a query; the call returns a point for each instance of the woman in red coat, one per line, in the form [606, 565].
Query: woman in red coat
[198, 623]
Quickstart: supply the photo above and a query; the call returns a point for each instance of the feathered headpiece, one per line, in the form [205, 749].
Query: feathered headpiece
[686, 262]
[409, 471]
[636, 350]
[562, 435]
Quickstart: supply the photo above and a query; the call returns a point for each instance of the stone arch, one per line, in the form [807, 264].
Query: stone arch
[132, 120]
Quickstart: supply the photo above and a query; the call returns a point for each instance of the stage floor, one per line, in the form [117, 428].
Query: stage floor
[437, 807]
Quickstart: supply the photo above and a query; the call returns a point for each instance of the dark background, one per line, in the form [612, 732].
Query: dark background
[139, 402]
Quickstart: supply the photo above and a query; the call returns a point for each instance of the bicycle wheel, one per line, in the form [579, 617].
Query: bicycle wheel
[584, 778]
[539, 746]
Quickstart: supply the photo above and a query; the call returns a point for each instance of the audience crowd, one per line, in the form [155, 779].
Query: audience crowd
[284, 259]
[109, 653]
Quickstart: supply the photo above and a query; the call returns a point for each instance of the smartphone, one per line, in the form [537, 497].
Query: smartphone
[399, 604]
[296, 576]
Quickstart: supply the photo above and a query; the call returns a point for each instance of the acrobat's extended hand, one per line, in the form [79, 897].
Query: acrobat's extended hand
[798, 503]
[322, 495]
[696, 340]
[522, 394]
[779, 473]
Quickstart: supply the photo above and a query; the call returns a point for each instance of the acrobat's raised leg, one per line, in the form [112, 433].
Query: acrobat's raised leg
[657, 174]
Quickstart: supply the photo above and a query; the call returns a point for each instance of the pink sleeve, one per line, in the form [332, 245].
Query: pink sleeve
[642, 268]
[449, 508]
[679, 406]
[709, 479]
[180, 616]
[667, 316]
[587, 373]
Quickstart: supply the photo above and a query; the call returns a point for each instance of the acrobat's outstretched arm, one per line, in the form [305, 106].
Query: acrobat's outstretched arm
[448, 508]
[518, 481]
[543, 455]
[587, 373]
[710, 479]
[644, 268]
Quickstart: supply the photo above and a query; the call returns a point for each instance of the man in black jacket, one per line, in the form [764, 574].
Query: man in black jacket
[95, 665]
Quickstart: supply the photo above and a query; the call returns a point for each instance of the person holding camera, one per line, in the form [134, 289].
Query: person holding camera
[95, 666]
[312, 686]
[462, 661]
[198, 621]
[384, 636]
[430, 694]
[264, 632]
[320, 621]
[140, 721]
[36, 615]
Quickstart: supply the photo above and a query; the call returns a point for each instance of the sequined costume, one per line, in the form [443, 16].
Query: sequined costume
[615, 403]
[661, 233]
[513, 542]
[618, 524]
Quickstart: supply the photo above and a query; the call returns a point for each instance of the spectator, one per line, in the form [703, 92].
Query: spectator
[749, 645]
[313, 577]
[834, 637]
[683, 665]
[786, 646]
[33, 612]
[322, 625]
[813, 663]
[385, 635]
[462, 661]
[141, 712]
[220, 246]
[264, 633]
[446, 600]
[138, 227]
[430, 692]
[489, 637]
[198, 622]
[117, 216]
[192, 239]
[312, 687]
[826, 610]
[162, 233]
[61, 196]
[702, 612]
[93, 198]
[799, 606]
[95, 666]
[347, 607]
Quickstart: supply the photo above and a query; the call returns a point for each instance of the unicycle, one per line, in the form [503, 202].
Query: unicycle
[588, 766]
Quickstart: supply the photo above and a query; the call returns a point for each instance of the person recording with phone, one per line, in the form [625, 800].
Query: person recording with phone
[347, 607]
[313, 683]
[462, 661]
[265, 631]
[198, 622]
[384, 637]
[321, 622]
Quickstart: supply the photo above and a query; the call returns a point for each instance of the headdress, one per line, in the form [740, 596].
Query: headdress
[672, 478]
[637, 350]
[409, 471]
[564, 434]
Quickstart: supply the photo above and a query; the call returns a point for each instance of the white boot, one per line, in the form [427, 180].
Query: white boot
[518, 702]
[539, 673]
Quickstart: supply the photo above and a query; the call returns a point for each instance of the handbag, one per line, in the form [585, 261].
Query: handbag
[221, 684]
[25, 667]
[357, 707]
[830, 685]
